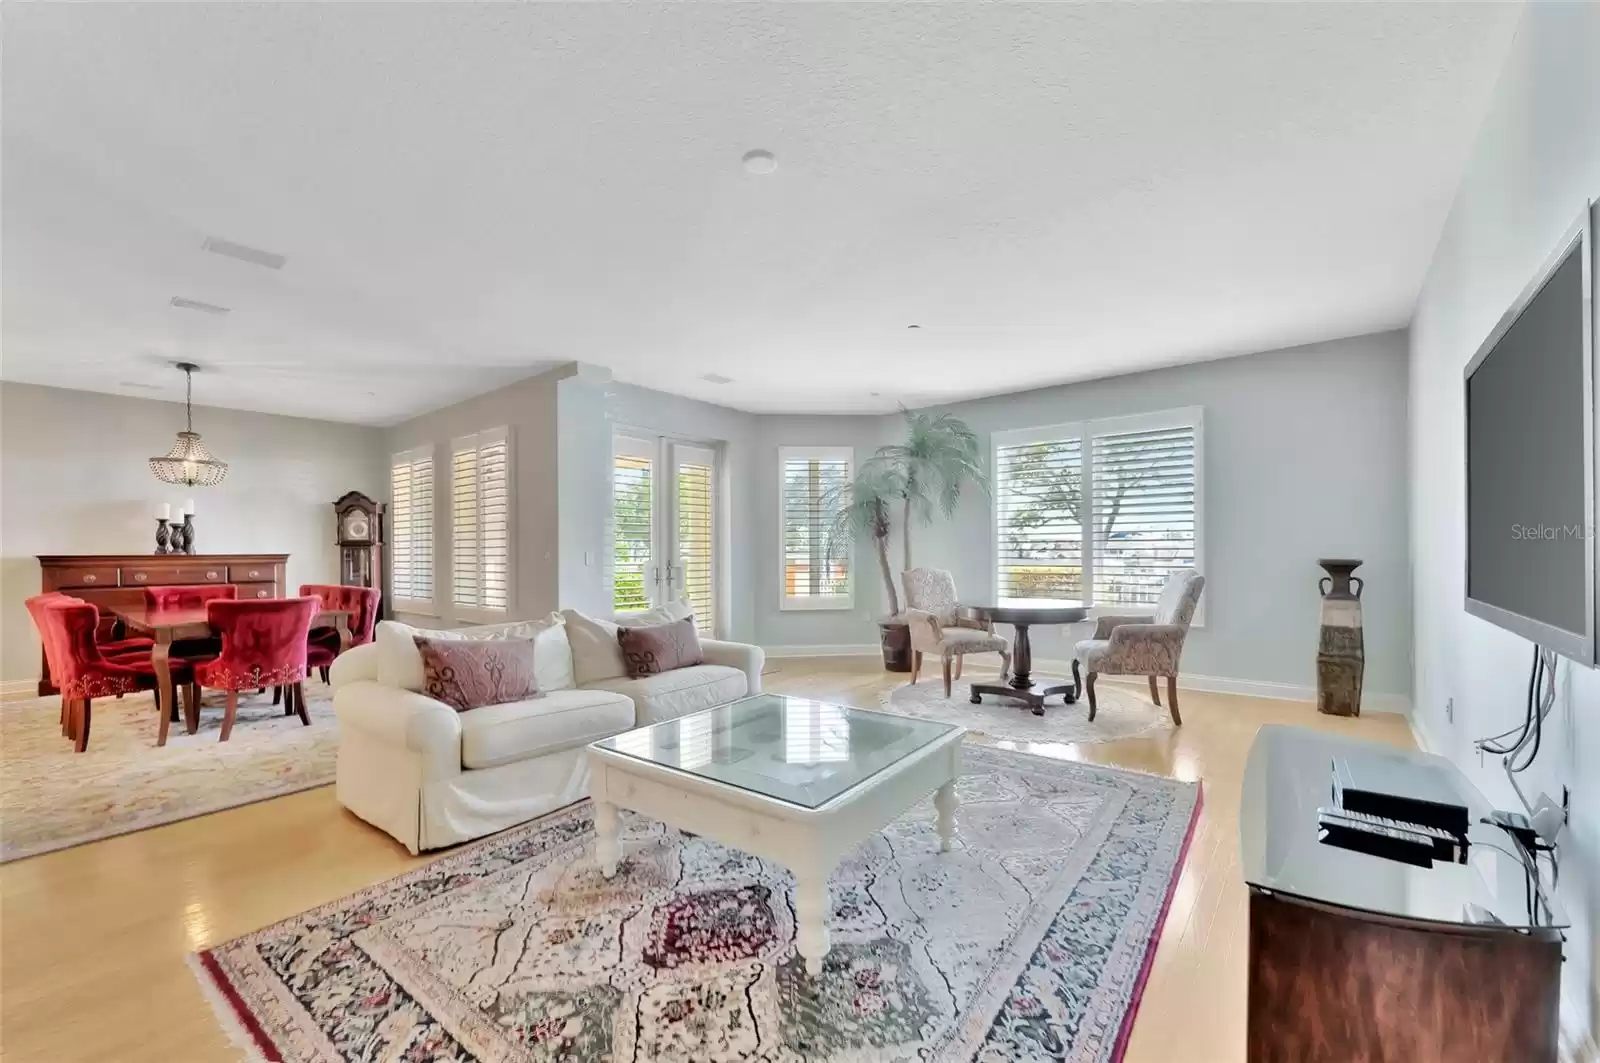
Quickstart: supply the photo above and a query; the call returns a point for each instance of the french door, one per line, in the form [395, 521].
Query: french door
[664, 509]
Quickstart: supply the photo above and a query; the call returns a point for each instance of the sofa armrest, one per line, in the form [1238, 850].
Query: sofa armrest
[353, 665]
[748, 659]
[370, 711]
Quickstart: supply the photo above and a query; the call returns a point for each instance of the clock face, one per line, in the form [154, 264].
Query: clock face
[356, 526]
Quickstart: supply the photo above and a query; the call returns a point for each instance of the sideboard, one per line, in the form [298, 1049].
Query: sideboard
[105, 578]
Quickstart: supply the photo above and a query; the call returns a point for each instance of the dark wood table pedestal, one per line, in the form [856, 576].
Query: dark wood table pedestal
[1023, 685]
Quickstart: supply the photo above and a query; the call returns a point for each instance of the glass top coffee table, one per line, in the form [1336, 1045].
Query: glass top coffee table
[791, 780]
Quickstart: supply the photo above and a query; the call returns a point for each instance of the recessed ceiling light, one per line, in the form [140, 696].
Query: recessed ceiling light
[716, 378]
[913, 326]
[252, 255]
[759, 161]
[194, 304]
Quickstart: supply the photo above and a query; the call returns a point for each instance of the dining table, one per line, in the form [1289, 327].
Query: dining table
[1022, 614]
[166, 626]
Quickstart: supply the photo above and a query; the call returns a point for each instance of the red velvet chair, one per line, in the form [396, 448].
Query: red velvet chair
[263, 645]
[131, 648]
[85, 673]
[362, 603]
[189, 595]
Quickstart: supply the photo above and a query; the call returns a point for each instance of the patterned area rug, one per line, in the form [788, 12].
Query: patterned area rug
[1031, 940]
[1122, 713]
[52, 798]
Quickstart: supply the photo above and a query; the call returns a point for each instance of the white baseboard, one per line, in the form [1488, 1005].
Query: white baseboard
[17, 689]
[1371, 701]
[864, 649]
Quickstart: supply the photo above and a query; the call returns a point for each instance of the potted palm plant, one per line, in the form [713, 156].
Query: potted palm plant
[925, 474]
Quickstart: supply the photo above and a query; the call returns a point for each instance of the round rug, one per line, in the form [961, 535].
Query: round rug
[1122, 714]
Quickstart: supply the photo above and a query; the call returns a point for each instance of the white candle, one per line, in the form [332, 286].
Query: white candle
[188, 507]
[164, 511]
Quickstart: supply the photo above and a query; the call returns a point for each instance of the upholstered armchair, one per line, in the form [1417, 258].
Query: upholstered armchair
[263, 645]
[1147, 645]
[937, 626]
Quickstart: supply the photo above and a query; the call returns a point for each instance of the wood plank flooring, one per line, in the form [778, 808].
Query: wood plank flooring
[94, 940]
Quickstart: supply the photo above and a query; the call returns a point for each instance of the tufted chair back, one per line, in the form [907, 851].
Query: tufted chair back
[47, 631]
[1180, 596]
[188, 596]
[932, 590]
[362, 602]
[263, 641]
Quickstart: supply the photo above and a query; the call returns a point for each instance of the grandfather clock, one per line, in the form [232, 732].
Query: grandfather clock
[360, 523]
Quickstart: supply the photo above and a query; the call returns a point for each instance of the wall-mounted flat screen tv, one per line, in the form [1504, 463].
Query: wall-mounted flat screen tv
[1531, 546]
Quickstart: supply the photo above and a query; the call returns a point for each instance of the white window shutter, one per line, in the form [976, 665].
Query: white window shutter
[813, 575]
[1040, 506]
[480, 505]
[1145, 512]
[696, 541]
[411, 526]
[633, 524]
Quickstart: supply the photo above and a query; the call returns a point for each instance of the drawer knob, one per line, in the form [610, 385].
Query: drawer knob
[212, 574]
[138, 577]
[91, 578]
[254, 573]
[261, 594]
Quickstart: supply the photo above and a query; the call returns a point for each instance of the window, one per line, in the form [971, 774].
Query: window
[1100, 512]
[816, 572]
[664, 526]
[480, 508]
[411, 527]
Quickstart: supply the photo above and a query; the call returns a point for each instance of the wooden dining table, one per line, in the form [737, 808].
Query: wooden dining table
[166, 626]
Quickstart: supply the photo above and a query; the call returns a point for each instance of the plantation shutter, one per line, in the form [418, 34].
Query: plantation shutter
[633, 524]
[1145, 511]
[411, 526]
[1039, 506]
[813, 481]
[696, 537]
[480, 492]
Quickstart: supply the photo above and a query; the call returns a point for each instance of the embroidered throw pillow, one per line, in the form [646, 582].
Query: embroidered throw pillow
[661, 648]
[469, 674]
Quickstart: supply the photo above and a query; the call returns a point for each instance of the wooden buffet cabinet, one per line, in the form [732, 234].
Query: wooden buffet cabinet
[105, 578]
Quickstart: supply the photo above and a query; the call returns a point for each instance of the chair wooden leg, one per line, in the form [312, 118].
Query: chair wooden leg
[1172, 700]
[1089, 688]
[1155, 695]
[300, 705]
[227, 717]
[946, 676]
[165, 715]
[191, 708]
[66, 721]
[916, 665]
[1077, 681]
[324, 672]
[80, 726]
[277, 695]
[959, 661]
[1005, 666]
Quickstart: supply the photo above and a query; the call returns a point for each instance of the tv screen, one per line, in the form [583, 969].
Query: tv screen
[1530, 462]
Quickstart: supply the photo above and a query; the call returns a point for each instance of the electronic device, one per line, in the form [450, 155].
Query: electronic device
[1530, 446]
[1401, 791]
[1440, 844]
[1375, 838]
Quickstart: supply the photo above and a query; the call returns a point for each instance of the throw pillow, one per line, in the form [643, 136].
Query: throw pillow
[469, 674]
[653, 650]
[596, 656]
[400, 664]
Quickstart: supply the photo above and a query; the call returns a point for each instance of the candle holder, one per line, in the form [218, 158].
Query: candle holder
[175, 532]
[163, 536]
[188, 533]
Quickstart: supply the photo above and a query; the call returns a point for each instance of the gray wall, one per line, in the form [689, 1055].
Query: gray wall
[1536, 162]
[529, 408]
[74, 481]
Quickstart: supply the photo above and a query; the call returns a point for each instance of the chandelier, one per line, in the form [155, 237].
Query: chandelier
[189, 462]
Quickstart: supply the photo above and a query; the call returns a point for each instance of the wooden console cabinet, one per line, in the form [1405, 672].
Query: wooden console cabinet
[106, 578]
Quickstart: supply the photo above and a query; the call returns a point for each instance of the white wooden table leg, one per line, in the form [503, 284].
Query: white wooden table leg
[606, 849]
[945, 800]
[811, 919]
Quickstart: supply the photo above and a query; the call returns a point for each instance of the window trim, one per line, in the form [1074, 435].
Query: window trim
[1085, 431]
[478, 440]
[822, 603]
[414, 456]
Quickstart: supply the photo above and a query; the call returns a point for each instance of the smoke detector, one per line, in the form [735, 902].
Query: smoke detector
[254, 256]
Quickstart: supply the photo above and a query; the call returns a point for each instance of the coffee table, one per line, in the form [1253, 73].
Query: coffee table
[794, 781]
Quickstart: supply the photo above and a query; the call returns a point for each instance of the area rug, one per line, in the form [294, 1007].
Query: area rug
[1030, 940]
[52, 798]
[1122, 714]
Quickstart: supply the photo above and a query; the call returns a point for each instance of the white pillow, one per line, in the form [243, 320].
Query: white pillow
[400, 662]
[596, 654]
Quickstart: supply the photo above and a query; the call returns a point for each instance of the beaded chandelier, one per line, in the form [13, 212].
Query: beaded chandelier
[189, 462]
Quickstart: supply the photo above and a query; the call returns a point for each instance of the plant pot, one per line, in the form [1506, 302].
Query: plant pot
[895, 638]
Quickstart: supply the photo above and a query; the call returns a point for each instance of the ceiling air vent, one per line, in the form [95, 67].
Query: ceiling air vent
[194, 304]
[252, 255]
[716, 378]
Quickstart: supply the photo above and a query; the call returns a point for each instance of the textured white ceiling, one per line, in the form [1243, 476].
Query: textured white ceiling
[468, 193]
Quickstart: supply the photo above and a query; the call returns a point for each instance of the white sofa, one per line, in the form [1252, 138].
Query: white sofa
[431, 777]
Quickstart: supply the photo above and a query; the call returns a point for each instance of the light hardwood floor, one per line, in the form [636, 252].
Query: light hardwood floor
[93, 940]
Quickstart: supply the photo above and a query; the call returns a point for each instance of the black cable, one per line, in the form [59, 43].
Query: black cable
[1539, 714]
[1489, 745]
